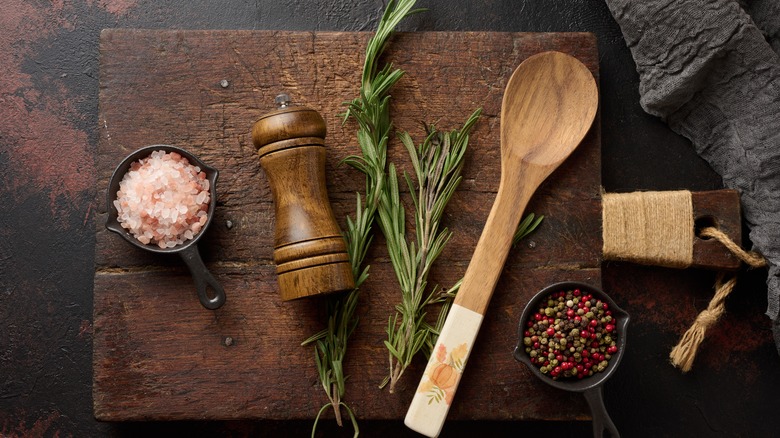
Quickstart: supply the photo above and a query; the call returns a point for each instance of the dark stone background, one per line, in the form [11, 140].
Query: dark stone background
[48, 138]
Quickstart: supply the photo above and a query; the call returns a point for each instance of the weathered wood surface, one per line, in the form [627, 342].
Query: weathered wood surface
[159, 355]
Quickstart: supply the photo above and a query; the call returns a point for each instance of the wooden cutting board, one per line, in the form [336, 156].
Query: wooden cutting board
[159, 355]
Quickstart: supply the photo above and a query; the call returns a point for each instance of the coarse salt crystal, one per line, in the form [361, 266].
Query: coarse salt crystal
[163, 200]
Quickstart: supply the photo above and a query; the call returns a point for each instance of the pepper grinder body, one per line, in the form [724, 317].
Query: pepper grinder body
[309, 249]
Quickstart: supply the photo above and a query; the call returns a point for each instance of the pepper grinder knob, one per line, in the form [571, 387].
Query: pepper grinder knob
[309, 249]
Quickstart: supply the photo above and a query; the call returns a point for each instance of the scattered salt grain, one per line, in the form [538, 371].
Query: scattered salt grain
[163, 200]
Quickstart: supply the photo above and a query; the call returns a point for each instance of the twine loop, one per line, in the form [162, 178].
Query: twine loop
[684, 353]
[750, 258]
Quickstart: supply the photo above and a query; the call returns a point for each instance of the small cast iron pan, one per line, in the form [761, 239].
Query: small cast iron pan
[188, 250]
[589, 386]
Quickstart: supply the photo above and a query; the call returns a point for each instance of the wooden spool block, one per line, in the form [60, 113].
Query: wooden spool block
[720, 209]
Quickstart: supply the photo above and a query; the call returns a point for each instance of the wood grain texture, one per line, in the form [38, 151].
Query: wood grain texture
[159, 355]
[309, 250]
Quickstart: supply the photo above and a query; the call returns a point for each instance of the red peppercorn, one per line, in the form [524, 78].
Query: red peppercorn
[585, 353]
[593, 323]
[610, 327]
[612, 349]
[529, 324]
[536, 345]
[577, 319]
[605, 306]
[526, 333]
[576, 292]
[570, 313]
[538, 316]
[550, 331]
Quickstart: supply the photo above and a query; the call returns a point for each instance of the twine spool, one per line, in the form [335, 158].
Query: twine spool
[654, 228]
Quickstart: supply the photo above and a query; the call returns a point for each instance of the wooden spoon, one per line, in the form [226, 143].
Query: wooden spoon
[548, 107]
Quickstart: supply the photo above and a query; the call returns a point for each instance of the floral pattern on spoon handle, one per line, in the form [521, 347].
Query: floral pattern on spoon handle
[434, 394]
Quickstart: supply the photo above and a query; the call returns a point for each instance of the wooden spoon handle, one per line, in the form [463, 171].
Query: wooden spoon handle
[437, 387]
[493, 246]
[434, 395]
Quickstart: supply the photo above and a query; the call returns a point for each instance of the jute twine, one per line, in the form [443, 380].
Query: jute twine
[657, 228]
[684, 352]
[654, 228]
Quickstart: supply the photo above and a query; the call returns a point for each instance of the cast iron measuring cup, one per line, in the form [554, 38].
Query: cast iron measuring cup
[189, 249]
[589, 386]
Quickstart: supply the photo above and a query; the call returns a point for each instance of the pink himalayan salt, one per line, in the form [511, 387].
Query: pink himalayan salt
[163, 199]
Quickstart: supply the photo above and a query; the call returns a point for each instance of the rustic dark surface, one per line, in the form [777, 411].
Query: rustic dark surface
[149, 364]
[48, 141]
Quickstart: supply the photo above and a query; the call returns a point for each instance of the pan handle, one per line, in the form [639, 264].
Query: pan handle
[203, 279]
[598, 411]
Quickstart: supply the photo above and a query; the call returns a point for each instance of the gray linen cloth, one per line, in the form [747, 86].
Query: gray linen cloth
[711, 70]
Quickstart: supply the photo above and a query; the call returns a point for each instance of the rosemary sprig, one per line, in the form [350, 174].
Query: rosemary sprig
[371, 111]
[437, 164]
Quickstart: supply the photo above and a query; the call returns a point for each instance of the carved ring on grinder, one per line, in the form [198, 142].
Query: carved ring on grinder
[309, 249]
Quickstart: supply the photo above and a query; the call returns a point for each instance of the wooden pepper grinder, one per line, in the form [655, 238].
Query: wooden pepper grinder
[309, 249]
